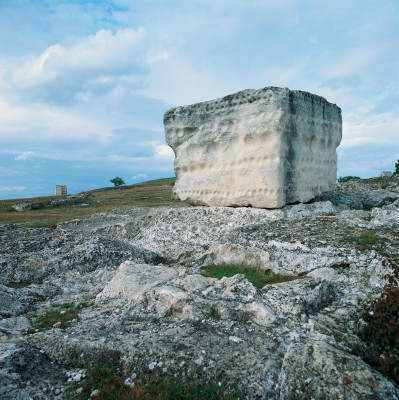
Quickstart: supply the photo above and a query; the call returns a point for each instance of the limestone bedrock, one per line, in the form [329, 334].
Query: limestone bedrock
[263, 148]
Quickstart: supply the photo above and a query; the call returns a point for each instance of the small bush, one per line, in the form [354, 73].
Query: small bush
[382, 329]
[397, 168]
[118, 181]
[343, 179]
[109, 381]
[256, 275]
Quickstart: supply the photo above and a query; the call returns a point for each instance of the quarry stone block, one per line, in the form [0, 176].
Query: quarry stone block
[263, 148]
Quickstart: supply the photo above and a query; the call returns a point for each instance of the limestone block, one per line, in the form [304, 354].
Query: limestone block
[262, 148]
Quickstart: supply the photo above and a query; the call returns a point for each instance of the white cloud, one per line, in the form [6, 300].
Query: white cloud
[12, 188]
[93, 64]
[26, 156]
[164, 151]
[140, 176]
[360, 129]
[158, 56]
[101, 52]
[21, 121]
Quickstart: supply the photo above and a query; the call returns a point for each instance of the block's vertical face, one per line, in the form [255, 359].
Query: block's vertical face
[314, 131]
[260, 148]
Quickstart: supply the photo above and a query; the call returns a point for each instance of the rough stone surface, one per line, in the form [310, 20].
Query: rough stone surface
[13, 302]
[25, 206]
[150, 309]
[356, 194]
[264, 148]
[68, 200]
[14, 325]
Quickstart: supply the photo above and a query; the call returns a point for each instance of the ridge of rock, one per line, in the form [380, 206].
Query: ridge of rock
[149, 307]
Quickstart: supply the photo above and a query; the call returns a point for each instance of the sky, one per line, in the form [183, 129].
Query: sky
[84, 84]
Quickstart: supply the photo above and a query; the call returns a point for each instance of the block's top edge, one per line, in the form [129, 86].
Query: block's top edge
[247, 93]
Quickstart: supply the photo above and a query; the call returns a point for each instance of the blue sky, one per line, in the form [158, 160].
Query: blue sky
[84, 84]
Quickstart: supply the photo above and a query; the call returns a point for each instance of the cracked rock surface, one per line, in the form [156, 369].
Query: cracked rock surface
[150, 309]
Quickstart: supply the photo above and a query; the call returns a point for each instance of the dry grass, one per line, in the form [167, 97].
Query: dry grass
[147, 194]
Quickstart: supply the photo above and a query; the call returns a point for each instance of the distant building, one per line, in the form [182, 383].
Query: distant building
[386, 174]
[60, 190]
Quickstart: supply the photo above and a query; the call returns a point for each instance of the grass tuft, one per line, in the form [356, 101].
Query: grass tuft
[256, 275]
[366, 240]
[108, 383]
[63, 313]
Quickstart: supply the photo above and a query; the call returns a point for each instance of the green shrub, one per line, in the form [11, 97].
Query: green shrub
[118, 181]
[382, 329]
[343, 179]
[397, 168]
[256, 275]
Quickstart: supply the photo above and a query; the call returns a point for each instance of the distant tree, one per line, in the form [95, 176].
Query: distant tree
[397, 168]
[118, 181]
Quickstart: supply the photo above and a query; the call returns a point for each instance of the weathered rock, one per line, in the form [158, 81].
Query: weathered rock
[386, 216]
[365, 198]
[26, 373]
[132, 282]
[14, 325]
[344, 198]
[350, 378]
[283, 341]
[25, 206]
[168, 323]
[30, 255]
[13, 302]
[379, 198]
[264, 148]
[68, 200]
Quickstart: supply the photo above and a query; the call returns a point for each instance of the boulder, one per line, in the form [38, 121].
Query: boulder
[13, 302]
[319, 370]
[14, 325]
[263, 148]
[379, 198]
[25, 206]
[371, 198]
[387, 216]
[68, 200]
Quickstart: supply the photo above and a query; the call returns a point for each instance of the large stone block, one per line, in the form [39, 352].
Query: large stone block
[262, 148]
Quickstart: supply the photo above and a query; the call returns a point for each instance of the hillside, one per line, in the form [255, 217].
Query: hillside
[147, 194]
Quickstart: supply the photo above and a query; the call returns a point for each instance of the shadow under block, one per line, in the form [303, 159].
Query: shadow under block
[262, 148]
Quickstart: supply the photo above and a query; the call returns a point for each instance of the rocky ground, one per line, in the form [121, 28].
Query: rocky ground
[146, 305]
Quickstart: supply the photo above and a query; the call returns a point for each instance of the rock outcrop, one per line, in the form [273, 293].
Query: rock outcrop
[263, 148]
[26, 206]
[150, 308]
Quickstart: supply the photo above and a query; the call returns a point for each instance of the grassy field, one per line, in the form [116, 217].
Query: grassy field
[147, 194]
